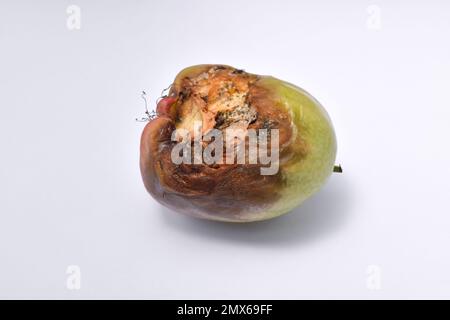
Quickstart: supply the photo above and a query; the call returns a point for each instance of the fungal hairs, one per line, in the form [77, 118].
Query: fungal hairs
[208, 148]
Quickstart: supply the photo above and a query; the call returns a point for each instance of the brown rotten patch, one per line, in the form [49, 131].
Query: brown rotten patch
[220, 97]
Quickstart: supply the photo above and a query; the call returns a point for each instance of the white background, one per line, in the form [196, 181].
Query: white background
[70, 186]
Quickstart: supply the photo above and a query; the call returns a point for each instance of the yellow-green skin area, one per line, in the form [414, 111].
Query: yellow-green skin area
[304, 177]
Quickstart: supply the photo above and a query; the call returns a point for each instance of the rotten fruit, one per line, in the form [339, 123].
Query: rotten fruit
[232, 146]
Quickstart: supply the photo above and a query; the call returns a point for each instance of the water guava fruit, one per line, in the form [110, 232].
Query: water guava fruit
[281, 151]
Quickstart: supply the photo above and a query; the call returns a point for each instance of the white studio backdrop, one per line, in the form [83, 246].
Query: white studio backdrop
[76, 221]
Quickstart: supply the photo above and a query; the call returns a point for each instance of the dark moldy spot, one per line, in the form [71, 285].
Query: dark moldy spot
[181, 96]
[239, 114]
[269, 124]
[220, 119]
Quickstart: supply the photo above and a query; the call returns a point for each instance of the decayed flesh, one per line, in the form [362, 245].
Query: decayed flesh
[220, 97]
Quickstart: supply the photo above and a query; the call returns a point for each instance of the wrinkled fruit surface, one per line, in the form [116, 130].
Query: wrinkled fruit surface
[221, 97]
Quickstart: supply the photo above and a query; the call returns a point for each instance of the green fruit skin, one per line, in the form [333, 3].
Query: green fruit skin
[304, 177]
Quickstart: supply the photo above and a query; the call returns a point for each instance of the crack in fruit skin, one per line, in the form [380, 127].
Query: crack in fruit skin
[221, 96]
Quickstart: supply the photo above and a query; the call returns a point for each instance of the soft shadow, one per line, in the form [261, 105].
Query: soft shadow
[317, 218]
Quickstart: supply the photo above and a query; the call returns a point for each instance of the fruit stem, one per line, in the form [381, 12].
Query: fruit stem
[337, 168]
